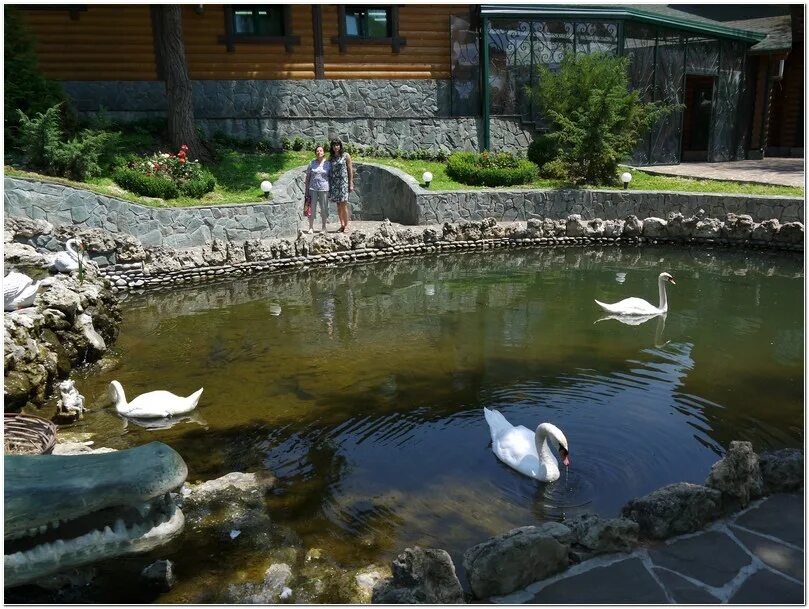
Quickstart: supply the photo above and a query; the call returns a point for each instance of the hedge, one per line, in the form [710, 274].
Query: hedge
[486, 169]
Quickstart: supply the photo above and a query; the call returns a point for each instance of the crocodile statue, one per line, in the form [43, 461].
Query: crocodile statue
[66, 511]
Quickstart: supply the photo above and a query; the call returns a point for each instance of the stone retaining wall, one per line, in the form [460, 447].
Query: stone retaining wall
[380, 192]
[405, 114]
[168, 227]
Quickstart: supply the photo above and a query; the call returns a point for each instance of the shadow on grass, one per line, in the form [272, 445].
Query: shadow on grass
[239, 171]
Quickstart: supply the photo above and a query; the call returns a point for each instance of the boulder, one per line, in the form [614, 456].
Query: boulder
[535, 228]
[781, 470]
[736, 475]
[407, 236]
[430, 235]
[674, 509]
[232, 487]
[160, 575]
[709, 228]
[511, 561]
[632, 227]
[256, 250]
[235, 252]
[420, 575]
[215, 252]
[738, 227]
[366, 580]
[450, 232]
[600, 535]
[613, 228]
[654, 227]
[767, 230]
[20, 253]
[283, 248]
[679, 227]
[575, 226]
[359, 239]
[470, 231]
[384, 236]
[790, 232]
[22, 227]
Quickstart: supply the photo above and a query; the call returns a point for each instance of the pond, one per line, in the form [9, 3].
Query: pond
[362, 389]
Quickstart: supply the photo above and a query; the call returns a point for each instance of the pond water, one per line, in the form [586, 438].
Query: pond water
[361, 389]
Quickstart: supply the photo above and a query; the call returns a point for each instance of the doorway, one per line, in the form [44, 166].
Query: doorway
[697, 117]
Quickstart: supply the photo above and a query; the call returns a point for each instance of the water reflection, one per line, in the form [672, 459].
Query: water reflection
[365, 396]
[636, 320]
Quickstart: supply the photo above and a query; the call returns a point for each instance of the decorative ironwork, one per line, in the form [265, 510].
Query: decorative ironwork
[598, 37]
[551, 41]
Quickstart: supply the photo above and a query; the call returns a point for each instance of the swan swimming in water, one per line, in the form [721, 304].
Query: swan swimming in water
[154, 404]
[638, 306]
[524, 450]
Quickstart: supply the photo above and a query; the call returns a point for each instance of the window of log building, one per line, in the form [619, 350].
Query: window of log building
[256, 20]
[367, 22]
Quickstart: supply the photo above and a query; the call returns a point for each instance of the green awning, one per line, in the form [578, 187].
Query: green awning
[653, 14]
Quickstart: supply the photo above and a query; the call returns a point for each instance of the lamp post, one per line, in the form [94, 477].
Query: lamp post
[266, 187]
[427, 177]
[626, 178]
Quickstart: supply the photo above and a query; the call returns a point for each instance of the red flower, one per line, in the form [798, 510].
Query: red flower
[156, 167]
[181, 154]
[183, 147]
[182, 161]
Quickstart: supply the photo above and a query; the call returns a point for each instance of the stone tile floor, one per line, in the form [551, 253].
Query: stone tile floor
[753, 557]
[779, 171]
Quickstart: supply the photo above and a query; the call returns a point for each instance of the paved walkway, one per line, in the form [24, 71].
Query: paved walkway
[754, 557]
[780, 171]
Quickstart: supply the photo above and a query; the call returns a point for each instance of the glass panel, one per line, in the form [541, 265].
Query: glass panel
[702, 55]
[598, 37]
[502, 87]
[669, 71]
[355, 22]
[639, 46]
[727, 103]
[465, 67]
[378, 23]
[270, 22]
[243, 22]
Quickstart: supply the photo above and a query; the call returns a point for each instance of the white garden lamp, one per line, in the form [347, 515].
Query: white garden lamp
[266, 187]
[427, 177]
[626, 178]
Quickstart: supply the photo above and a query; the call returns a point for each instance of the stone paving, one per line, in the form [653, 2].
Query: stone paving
[775, 171]
[753, 557]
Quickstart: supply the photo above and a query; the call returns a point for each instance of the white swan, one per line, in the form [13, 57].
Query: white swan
[68, 261]
[152, 405]
[19, 290]
[524, 450]
[638, 306]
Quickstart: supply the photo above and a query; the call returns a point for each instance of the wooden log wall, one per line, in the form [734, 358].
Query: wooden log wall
[106, 42]
[114, 42]
[425, 27]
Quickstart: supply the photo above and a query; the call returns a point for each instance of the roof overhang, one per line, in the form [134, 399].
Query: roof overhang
[595, 11]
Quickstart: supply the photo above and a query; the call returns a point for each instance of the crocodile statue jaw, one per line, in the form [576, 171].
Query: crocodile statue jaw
[66, 511]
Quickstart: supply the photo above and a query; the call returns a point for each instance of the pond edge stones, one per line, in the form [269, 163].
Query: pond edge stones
[526, 555]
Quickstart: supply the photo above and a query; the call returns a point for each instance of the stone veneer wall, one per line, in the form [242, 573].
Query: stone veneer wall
[406, 114]
[380, 192]
[168, 227]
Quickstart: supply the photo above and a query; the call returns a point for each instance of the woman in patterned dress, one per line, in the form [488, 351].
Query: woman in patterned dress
[341, 181]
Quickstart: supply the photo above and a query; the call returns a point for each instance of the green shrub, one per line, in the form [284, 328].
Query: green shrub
[597, 120]
[485, 169]
[199, 185]
[145, 185]
[543, 149]
[44, 147]
[25, 87]
[297, 144]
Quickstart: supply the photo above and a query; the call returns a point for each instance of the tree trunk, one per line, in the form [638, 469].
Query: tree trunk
[173, 69]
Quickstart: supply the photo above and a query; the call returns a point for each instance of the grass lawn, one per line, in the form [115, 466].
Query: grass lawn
[238, 175]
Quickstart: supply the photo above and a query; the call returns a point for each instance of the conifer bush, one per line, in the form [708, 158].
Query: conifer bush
[597, 120]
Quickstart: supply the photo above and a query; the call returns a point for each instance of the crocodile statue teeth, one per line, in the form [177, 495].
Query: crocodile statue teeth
[66, 511]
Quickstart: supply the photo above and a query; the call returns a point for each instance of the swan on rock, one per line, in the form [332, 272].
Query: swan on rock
[527, 451]
[154, 404]
[638, 306]
[19, 290]
[68, 261]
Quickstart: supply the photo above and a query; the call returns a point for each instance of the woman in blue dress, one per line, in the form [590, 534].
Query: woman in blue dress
[341, 181]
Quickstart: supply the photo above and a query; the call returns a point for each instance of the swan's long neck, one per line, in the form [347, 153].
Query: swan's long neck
[69, 247]
[664, 303]
[543, 450]
[120, 396]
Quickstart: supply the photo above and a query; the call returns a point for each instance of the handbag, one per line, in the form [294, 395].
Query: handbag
[307, 206]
